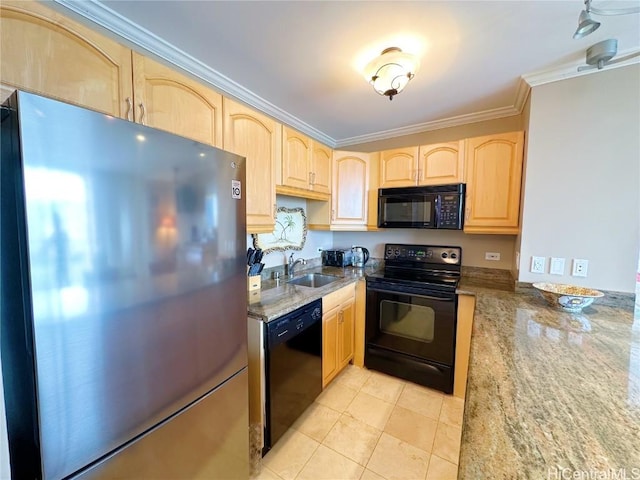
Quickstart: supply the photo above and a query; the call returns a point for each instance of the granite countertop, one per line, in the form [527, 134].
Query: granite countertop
[550, 394]
[277, 298]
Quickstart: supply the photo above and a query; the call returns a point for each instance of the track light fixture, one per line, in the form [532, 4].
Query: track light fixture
[587, 25]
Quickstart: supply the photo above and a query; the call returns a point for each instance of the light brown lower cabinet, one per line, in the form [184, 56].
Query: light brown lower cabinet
[466, 308]
[338, 317]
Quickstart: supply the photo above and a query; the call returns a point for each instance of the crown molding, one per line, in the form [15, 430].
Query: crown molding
[138, 36]
[570, 70]
[428, 126]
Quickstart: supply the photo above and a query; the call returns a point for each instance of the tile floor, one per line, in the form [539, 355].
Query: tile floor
[368, 426]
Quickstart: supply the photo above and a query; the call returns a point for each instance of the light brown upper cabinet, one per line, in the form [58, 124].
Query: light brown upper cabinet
[399, 167]
[349, 207]
[258, 138]
[173, 102]
[493, 172]
[437, 164]
[441, 163]
[321, 160]
[46, 53]
[305, 170]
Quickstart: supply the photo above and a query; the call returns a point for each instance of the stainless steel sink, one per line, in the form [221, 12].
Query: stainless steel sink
[313, 280]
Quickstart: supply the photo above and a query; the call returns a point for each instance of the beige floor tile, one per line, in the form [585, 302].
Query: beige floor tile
[452, 410]
[411, 427]
[369, 475]
[353, 377]
[440, 469]
[421, 400]
[370, 410]
[447, 442]
[316, 421]
[337, 396]
[266, 474]
[325, 464]
[383, 387]
[353, 439]
[290, 454]
[397, 460]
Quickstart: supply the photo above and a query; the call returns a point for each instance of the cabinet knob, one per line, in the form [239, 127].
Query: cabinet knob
[275, 211]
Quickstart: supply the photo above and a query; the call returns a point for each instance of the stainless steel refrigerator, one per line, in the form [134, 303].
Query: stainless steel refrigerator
[123, 334]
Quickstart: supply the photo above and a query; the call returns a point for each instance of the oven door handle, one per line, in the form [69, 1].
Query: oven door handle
[412, 292]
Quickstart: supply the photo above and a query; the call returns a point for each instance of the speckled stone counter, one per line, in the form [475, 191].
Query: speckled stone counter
[550, 395]
[277, 298]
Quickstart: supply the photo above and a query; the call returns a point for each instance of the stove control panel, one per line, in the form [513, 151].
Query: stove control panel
[423, 254]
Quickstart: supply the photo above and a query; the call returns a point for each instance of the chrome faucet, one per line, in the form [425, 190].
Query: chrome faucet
[293, 263]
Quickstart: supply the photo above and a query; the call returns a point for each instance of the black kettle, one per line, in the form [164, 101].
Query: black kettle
[360, 256]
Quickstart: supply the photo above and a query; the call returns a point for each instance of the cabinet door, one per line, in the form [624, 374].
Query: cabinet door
[398, 167]
[441, 163]
[170, 101]
[320, 168]
[350, 182]
[296, 159]
[258, 138]
[493, 175]
[45, 53]
[329, 345]
[346, 322]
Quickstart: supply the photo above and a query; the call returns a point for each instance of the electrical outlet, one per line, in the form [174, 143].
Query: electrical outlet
[537, 264]
[557, 266]
[491, 256]
[580, 266]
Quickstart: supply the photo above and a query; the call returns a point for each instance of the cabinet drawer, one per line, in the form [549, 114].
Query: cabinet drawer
[334, 299]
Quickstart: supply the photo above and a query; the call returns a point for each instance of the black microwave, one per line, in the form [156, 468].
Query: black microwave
[436, 206]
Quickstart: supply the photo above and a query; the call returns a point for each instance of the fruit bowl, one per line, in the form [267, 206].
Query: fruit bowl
[569, 298]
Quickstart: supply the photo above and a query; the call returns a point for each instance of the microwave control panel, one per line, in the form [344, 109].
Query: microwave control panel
[449, 211]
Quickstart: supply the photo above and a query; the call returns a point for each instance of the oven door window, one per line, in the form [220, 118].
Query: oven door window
[416, 322]
[409, 210]
[417, 325]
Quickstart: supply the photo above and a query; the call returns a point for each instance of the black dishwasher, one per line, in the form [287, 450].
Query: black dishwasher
[293, 368]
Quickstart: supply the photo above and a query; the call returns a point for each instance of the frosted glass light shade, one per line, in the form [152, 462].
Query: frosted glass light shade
[391, 71]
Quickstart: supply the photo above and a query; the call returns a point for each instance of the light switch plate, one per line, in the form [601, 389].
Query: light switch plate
[557, 266]
[537, 264]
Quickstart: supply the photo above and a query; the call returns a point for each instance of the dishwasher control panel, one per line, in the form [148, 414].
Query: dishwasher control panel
[291, 324]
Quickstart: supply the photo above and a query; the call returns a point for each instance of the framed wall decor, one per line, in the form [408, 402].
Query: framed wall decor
[290, 232]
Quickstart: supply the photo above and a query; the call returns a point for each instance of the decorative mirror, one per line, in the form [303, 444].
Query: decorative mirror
[290, 232]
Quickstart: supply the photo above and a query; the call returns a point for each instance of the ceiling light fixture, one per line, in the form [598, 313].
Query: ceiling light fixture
[391, 71]
[587, 25]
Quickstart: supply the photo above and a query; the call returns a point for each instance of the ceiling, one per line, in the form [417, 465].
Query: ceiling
[299, 61]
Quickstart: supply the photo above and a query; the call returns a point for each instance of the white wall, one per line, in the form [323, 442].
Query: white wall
[583, 177]
[474, 247]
